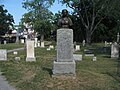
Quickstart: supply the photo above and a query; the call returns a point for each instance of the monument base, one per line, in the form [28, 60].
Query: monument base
[64, 68]
[30, 59]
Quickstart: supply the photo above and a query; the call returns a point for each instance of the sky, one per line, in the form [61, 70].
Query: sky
[15, 8]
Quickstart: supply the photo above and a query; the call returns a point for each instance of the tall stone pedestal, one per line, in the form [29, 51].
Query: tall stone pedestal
[64, 63]
[30, 51]
[115, 50]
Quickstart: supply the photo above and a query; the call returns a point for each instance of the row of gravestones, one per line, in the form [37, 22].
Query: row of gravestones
[65, 63]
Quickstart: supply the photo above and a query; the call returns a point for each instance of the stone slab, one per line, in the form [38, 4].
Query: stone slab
[77, 47]
[30, 50]
[115, 50]
[3, 54]
[77, 57]
[61, 68]
[30, 59]
[64, 45]
[91, 55]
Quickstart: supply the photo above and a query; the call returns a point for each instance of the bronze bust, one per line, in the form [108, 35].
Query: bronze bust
[65, 21]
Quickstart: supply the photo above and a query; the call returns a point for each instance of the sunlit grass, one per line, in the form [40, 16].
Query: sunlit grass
[90, 75]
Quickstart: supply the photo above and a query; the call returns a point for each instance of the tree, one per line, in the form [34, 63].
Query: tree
[39, 15]
[91, 13]
[6, 20]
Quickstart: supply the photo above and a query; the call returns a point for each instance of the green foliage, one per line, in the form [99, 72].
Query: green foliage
[6, 20]
[39, 15]
[92, 13]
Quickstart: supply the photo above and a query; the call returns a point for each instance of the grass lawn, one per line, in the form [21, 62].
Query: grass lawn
[102, 74]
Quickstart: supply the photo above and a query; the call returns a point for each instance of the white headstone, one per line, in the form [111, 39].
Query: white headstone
[105, 43]
[77, 48]
[94, 58]
[48, 49]
[30, 51]
[118, 37]
[36, 40]
[42, 44]
[83, 42]
[22, 41]
[77, 57]
[115, 50]
[51, 47]
[35, 44]
[5, 41]
[38, 44]
[15, 52]
[3, 54]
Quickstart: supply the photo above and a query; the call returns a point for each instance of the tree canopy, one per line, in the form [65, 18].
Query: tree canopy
[6, 20]
[94, 15]
[39, 15]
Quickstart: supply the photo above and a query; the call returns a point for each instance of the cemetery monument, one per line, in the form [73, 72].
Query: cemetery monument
[64, 64]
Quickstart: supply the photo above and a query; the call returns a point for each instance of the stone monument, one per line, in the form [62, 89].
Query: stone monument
[30, 51]
[3, 54]
[64, 64]
[118, 37]
[115, 50]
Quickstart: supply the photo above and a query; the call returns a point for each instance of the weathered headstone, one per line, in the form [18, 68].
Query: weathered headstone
[30, 51]
[51, 47]
[3, 54]
[22, 41]
[42, 44]
[5, 42]
[88, 53]
[118, 37]
[77, 48]
[38, 43]
[83, 42]
[105, 43]
[115, 50]
[15, 52]
[48, 49]
[17, 58]
[65, 63]
[77, 57]
[94, 58]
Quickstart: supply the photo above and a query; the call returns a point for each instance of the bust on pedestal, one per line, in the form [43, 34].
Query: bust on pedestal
[64, 65]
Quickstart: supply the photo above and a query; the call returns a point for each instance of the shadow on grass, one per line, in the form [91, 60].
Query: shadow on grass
[49, 70]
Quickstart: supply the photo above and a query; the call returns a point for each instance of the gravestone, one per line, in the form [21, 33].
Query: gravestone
[105, 43]
[77, 48]
[65, 63]
[94, 58]
[15, 53]
[17, 58]
[3, 54]
[48, 49]
[51, 47]
[83, 42]
[42, 44]
[115, 50]
[38, 43]
[88, 53]
[30, 51]
[77, 57]
[22, 41]
[5, 42]
[118, 37]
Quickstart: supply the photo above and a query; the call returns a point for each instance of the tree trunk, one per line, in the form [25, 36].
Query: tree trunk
[88, 37]
[42, 37]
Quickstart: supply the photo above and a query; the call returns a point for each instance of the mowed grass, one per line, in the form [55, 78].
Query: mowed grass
[102, 74]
